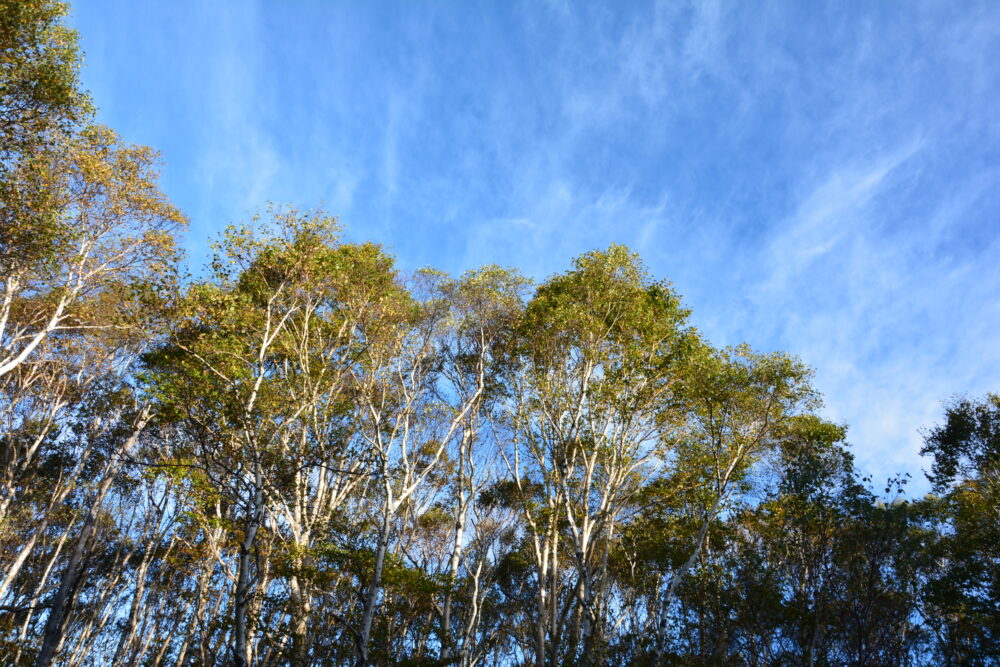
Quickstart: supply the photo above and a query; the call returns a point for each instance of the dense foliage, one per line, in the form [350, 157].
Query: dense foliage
[308, 457]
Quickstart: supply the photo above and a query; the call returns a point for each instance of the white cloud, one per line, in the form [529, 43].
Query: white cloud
[818, 180]
[829, 213]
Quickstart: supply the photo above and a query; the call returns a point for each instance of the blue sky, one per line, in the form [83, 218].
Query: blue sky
[820, 180]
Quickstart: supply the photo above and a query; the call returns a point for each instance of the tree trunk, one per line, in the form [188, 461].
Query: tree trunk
[371, 597]
[244, 582]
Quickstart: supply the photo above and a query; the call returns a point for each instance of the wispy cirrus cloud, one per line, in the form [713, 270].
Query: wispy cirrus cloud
[819, 179]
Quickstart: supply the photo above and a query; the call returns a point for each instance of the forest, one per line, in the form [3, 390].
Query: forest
[307, 456]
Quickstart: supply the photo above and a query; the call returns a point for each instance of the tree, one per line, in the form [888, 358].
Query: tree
[740, 404]
[39, 66]
[963, 595]
[599, 353]
[80, 299]
[255, 373]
